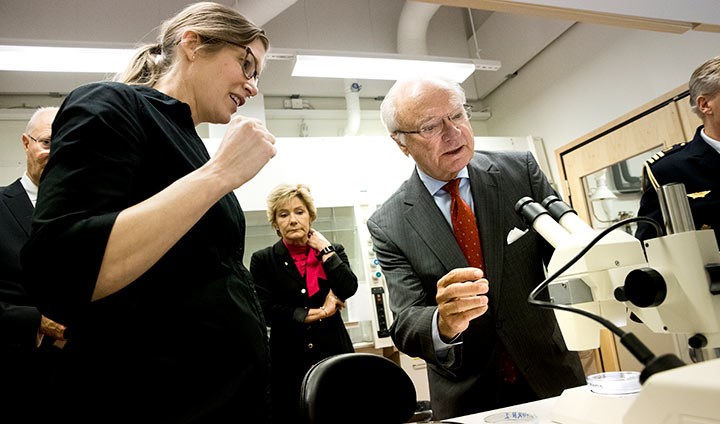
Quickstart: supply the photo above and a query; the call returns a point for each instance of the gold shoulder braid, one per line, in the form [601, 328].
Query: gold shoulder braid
[650, 175]
[657, 156]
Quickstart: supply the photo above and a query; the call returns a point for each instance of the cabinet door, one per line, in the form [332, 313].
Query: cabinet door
[653, 131]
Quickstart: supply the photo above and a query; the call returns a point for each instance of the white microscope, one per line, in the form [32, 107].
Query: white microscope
[670, 283]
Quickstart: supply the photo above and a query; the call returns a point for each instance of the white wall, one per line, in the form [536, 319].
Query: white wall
[590, 76]
[339, 171]
[12, 153]
[346, 171]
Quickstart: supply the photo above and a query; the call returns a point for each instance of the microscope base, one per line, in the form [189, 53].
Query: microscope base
[581, 406]
[689, 394]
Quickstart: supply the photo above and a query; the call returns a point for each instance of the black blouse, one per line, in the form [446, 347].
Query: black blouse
[190, 331]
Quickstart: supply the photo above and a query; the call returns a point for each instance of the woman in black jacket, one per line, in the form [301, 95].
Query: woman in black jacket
[137, 238]
[302, 282]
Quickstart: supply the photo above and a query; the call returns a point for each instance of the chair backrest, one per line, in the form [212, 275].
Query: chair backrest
[354, 388]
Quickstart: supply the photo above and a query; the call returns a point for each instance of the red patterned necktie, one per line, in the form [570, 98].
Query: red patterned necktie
[466, 234]
[464, 226]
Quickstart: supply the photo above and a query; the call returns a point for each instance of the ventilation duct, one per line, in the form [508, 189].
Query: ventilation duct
[412, 27]
[262, 12]
[412, 32]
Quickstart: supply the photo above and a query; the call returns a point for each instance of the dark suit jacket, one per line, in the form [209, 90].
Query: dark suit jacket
[695, 164]
[295, 346]
[19, 318]
[415, 246]
[26, 369]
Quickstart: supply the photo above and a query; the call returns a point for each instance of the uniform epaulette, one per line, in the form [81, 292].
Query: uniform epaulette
[648, 174]
[668, 151]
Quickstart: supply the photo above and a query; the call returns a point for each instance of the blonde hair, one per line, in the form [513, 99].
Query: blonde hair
[704, 81]
[283, 193]
[215, 24]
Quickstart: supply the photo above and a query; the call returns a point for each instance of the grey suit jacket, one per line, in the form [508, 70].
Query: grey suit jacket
[415, 246]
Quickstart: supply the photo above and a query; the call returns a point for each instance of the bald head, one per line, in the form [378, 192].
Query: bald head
[36, 141]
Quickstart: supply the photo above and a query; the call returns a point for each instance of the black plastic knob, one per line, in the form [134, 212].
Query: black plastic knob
[698, 341]
[645, 288]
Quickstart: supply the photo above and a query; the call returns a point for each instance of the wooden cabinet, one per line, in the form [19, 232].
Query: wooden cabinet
[656, 125]
[661, 123]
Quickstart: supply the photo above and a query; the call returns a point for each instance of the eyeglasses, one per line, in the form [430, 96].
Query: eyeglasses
[249, 63]
[44, 141]
[434, 126]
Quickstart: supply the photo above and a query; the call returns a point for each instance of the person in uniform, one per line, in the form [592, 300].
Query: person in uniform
[695, 163]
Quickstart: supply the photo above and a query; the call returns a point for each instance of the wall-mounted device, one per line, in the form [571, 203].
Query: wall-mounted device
[381, 314]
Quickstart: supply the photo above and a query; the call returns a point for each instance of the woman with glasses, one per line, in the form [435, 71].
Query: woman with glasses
[138, 239]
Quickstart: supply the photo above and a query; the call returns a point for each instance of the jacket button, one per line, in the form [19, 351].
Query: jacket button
[498, 324]
[310, 345]
[302, 291]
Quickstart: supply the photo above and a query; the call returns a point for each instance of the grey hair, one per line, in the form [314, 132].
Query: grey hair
[216, 24]
[704, 81]
[389, 109]
[32, 123]
[284, 192]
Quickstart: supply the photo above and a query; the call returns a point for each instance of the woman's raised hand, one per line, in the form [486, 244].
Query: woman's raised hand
[245, 149]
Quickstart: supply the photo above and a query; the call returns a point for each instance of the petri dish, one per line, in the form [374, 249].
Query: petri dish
[512, 417]
[614, 383]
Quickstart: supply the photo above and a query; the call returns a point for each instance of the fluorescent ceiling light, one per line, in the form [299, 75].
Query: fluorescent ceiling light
[384, 66]
[307, 63]
[63, 59]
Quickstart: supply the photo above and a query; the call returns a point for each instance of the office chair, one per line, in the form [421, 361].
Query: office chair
[354, 388]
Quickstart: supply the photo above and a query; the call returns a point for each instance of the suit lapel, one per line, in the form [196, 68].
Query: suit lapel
[425, 218]
[287, 264]
[19, 205]
[423, 215]
[486, 191]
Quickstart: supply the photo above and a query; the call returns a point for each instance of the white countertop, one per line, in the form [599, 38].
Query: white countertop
[540, 408]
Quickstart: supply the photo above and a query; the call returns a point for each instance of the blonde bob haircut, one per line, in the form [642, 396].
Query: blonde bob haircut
[282, 194]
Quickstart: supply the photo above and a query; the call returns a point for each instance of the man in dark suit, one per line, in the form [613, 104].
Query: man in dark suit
[696, 163]
[485, 346]
[29, 341]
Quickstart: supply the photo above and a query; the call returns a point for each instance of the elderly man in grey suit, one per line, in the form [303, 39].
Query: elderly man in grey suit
[462, 305]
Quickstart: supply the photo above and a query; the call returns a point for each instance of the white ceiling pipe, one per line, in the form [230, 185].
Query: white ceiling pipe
[352, 102]
[411, 40]
[261, 12]
[412, 27]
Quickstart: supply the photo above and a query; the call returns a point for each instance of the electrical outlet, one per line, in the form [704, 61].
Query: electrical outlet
[296, 103]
